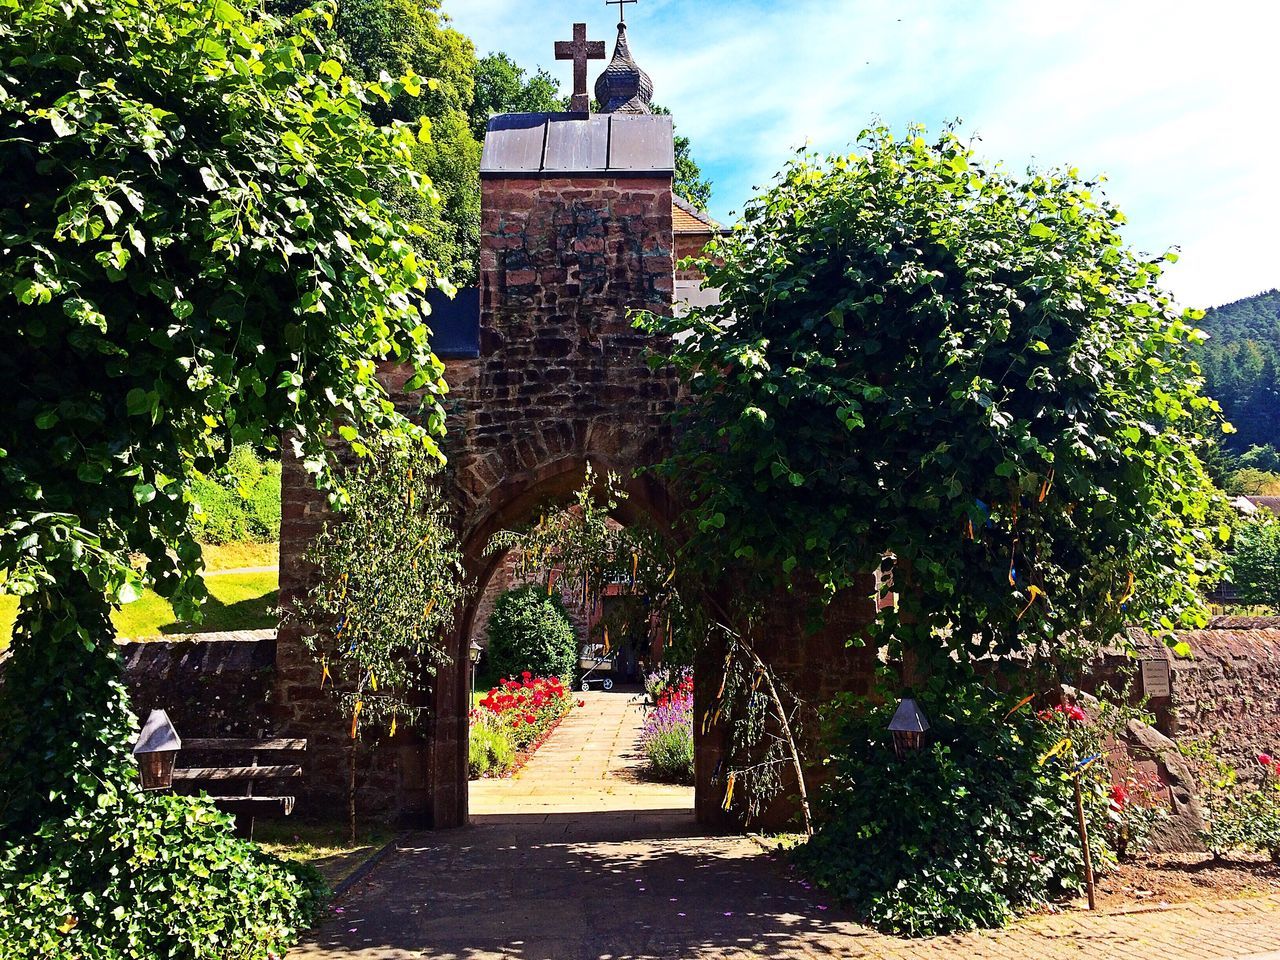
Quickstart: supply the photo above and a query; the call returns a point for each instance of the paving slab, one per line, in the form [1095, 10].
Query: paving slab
[598, 864]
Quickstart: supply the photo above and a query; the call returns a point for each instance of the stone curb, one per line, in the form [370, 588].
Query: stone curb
[343, 886]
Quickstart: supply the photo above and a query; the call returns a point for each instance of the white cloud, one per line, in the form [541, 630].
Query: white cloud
[1175, 101]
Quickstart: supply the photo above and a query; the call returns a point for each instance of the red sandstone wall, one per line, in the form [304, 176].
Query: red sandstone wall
[690, 245]
[1230, 689]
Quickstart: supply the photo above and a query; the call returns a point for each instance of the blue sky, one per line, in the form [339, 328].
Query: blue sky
[1175, 101]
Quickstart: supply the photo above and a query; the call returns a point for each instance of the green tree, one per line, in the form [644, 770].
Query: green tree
[388, 579]
[967, 372]
[689, 182]
[394, 38]
[193, 257]
[502, 86]
[530, 631]
[1255, 562]
[1240, 363]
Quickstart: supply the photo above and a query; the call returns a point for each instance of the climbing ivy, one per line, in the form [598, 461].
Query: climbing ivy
[961, 373]
[192, 255]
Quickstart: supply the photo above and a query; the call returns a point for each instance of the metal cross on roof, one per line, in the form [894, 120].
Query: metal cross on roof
[580, 50]
[622, 9]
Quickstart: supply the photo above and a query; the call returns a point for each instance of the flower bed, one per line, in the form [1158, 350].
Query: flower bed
[515, 717]
[667, 735]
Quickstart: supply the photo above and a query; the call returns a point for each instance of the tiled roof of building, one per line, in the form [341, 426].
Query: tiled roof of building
[686, 218]
[1267, 503]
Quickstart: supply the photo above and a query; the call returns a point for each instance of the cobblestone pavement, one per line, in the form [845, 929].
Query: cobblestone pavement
[578, 857]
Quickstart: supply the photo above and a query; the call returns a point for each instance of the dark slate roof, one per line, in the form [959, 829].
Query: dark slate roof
[455, 324]
[576, 144]
[1266, 503]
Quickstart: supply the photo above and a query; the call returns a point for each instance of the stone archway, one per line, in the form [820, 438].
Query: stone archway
[518, 502]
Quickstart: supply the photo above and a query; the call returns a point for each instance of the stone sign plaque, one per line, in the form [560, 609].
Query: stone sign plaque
[1156, 679]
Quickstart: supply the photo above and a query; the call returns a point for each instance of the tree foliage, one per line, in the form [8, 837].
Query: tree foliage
[529, 631]
[502, 86]
[393, 38]
[388, 579]
[194, 258]
[194, 255]
[1255, 561]
[965, 370]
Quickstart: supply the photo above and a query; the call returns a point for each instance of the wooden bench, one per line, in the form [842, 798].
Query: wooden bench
[249, 804]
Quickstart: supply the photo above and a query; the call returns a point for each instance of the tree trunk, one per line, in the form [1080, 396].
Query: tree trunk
[351, 791]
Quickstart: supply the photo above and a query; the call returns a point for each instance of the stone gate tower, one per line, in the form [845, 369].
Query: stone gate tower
[546, 376]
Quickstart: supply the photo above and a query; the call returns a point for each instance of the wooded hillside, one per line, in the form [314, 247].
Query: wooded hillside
[1240, 363]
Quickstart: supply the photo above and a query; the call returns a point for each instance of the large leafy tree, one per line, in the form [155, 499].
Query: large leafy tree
[962, 370]
[1255, 561]
[503, 86]
[393, 38]
[194, 255]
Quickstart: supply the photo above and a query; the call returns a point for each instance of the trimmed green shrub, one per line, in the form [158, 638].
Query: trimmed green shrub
[530, 631]
[242, 505]
[492, 748]
[967, 832]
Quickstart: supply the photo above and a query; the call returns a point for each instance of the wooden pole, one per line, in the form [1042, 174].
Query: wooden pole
[1084, 842]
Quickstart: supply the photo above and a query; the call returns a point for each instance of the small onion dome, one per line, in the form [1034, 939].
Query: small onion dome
[623, 87]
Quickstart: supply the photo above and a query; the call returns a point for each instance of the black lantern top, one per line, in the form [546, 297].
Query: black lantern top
[909, 718]
[158, 735]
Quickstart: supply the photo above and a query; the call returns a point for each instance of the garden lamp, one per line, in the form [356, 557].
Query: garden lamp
[473, 652]
[908, 727]
[157, 749]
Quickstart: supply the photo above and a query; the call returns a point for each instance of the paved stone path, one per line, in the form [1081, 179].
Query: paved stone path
[577, 858]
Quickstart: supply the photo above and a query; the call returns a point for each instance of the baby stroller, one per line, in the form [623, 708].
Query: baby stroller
[597, 667]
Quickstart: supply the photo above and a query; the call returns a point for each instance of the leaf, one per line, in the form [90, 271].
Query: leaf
[137, 401]
[61, 125]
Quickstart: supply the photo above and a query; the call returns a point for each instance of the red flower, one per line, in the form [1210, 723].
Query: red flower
[1265, 759]
[1119, 795]
[1072, 712]
[582, 703]
[530, 719]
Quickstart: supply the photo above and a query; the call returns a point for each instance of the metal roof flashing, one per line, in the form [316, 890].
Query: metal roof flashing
[578, 144]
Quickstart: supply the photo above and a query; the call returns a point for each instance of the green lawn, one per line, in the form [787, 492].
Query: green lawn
[238, 601]
[233, 556]
[326, 846]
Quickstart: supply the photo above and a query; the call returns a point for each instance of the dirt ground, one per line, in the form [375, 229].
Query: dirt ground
[1158, 879]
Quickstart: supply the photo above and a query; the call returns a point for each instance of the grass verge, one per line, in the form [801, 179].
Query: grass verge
[324, 845]
[237, 601]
